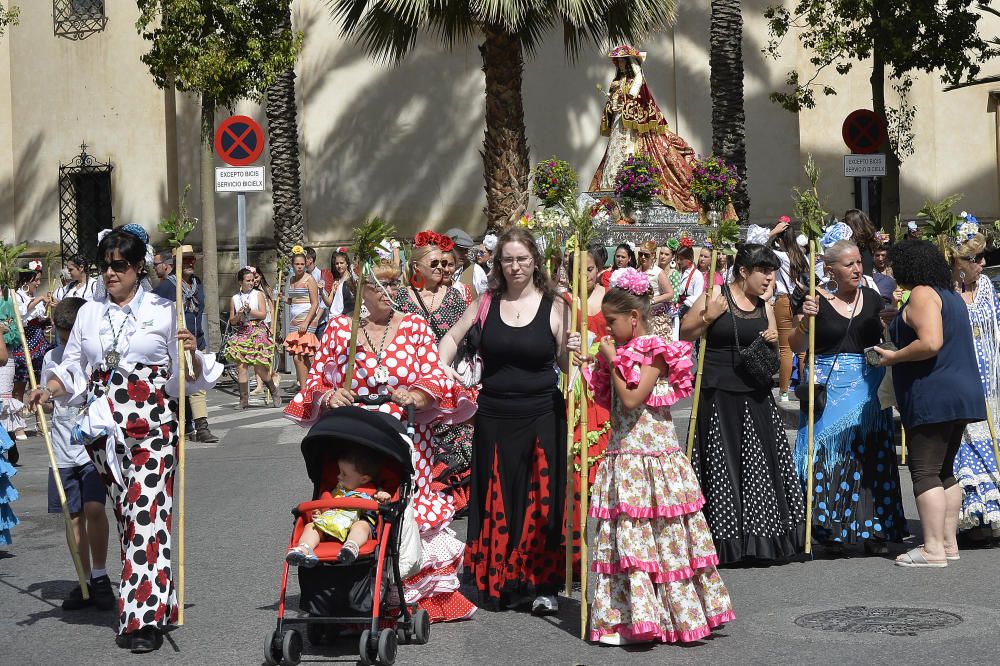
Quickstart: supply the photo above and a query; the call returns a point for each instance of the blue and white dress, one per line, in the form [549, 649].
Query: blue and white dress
[8, 493]
[976, 464]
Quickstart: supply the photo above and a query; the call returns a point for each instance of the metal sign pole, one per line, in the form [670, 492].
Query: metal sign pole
[241, 221]
[865, 204]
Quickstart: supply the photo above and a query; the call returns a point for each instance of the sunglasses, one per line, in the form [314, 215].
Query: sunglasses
[438, 263]
[389, 285]
[118, 266]
[975, 259]
[645, 254]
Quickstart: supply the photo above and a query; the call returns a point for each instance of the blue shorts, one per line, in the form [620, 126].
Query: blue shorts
[82, 484]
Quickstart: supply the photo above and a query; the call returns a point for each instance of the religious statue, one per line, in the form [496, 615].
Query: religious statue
[634, 124]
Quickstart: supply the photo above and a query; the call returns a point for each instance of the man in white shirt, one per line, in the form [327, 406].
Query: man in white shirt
[692, 281]
[317, 274]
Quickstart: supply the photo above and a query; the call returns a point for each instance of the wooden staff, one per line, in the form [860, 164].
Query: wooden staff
[571, 412]
[278, 284]
[902, 442]
[184, 363]
[74, 548]
[581, 266]
[355, 325]
[993, 433]
[810, 416]
[693, 422]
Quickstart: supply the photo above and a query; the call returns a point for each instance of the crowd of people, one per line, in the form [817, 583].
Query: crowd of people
[911, 326]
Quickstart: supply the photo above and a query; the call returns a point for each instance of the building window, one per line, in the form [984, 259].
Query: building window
[84, 204]
[78, 19]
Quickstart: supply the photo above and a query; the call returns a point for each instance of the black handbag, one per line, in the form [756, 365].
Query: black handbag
[759, 359]
[819, 390]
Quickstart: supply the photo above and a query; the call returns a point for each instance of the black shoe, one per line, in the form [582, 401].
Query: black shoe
[145, 640]
[75, 600]
[13, 455]
[202, 433]
[102, 594]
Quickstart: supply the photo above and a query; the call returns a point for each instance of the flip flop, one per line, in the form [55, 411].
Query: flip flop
[951, 558]
[915, 559]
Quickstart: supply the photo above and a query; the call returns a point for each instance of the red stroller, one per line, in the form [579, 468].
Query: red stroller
[334, 593]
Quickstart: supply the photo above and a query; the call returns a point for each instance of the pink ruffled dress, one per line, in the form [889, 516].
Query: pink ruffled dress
[653, 555]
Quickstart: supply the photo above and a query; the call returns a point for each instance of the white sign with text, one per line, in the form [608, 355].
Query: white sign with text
[864, 166]
[239, 179]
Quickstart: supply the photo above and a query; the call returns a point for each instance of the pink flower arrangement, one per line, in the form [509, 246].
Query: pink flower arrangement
[631, 280]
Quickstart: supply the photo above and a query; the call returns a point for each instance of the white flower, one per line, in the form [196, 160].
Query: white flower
[802, 240]
[963, 215]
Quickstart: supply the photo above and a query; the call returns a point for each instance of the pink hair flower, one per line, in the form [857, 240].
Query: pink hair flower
[631, 280]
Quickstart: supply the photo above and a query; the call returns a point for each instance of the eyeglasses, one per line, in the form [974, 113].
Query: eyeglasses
[523, 262]
[118, 266]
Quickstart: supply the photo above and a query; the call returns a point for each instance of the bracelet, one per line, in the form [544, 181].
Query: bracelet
[803, 326]
[52, 396]
[704, 319]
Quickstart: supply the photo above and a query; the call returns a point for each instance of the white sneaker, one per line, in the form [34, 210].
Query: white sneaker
[545, 604]
[611, 639]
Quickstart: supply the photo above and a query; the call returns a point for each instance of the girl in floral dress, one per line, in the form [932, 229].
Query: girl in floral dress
[653, 555]
[250, 346]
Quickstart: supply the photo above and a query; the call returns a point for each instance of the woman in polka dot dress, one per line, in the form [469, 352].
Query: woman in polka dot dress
[120, 365]
[397, 355]
[429, 296]
[975, 463]
[753, 499]
[653, 554]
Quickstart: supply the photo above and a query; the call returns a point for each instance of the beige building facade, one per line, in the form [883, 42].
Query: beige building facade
[403, 142]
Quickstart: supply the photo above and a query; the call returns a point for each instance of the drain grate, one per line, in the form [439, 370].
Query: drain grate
[892, 621]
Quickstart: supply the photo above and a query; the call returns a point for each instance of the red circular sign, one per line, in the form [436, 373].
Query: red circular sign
[239, 141]
[863, 131]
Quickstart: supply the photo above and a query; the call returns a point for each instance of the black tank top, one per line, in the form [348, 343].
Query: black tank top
[722, 368]
[519, 374]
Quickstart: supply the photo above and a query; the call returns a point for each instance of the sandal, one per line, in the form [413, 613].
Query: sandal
[302, 556]
[915, 559]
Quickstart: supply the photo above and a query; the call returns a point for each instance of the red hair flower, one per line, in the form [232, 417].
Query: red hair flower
[785, 219]
[423, 238]
[687, 242]
[446, 244]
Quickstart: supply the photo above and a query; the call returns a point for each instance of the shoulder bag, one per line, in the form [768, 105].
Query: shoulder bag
[759, 359]
[467, 362]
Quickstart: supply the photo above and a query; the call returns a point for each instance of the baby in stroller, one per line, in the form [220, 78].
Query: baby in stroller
[358, 469]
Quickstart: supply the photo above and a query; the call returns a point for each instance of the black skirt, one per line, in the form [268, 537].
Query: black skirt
[515, 542]
[754, 503]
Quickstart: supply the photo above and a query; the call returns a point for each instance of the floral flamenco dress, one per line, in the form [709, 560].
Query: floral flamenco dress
[251, 343]
[653, 556]
[408, 360]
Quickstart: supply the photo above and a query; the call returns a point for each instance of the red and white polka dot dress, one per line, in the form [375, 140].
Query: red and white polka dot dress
[412, 362]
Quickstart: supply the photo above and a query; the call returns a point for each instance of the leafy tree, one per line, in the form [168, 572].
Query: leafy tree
[725, 59]
[899, 36]
[8, 17]
[223, 51]
[506, 30]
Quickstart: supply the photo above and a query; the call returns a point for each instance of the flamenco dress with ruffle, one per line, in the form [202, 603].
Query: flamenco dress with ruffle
[8, 493]
[250, 343]
[11, 418]
[300, 344]
[653, 556]
[412, 362]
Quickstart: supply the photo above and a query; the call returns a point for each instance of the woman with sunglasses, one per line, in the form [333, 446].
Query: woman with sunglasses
[429, 296]
[975, 464]
[121, 366]
[660, 318]
[397, 356]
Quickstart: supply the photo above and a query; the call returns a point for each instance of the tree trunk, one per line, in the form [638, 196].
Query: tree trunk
[728, 118]
[889, 207]
[286, 193]
[505, 146]
[209, 248]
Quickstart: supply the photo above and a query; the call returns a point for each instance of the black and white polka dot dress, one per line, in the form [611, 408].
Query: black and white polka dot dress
[754, 503]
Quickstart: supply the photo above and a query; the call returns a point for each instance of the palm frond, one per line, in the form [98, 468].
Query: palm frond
[179, 223]
[367, 238]
[9, 270]
[725, 236]
[808, 207]
[941, 221]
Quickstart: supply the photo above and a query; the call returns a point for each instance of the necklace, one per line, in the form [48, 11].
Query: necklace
[111, 357]
[430, 310]
[381, 372]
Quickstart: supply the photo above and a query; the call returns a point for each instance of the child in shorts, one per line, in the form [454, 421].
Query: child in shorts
[357, 471]
[85, 491]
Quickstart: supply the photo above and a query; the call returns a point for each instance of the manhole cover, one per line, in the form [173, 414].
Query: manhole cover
[886, 620]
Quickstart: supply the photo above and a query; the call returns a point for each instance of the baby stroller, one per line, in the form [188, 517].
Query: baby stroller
[358, 593]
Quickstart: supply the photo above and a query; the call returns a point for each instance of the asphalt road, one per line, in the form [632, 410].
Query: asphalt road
[238, 522]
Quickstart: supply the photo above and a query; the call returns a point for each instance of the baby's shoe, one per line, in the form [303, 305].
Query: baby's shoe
[302, 555]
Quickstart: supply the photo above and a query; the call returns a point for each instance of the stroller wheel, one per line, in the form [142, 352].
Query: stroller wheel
[387, 647]
[316, 633]
[368, 657]
[291, 648]
[272, 654]
[421, 627]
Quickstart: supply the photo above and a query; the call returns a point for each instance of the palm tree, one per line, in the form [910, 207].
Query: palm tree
[728, 118]
[507, 30]
[286, 194]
